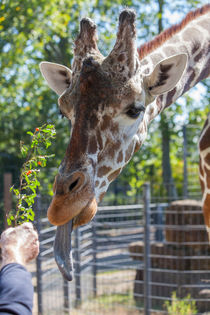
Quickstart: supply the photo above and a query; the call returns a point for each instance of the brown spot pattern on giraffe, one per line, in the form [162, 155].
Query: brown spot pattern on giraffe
[112, 176]
[199, 56]
[205, 125]
[200, 168]
[102, 196]
[103, 184]
[99, 140]
[110, 152]
[128, 153]
[138, 146]
[206, 211]
[93, 121]
[202, 185]
[103, 170]
[207, 157]
[106, 122]
[207, 172]
[92, 147]
[204, 142]
[97, 183]
[190, 79]
[111, 149]
[206, 69]
[170, 95]
[120, 157]
[195, 47]
[114, 128]
[121, 57]
[141, 128]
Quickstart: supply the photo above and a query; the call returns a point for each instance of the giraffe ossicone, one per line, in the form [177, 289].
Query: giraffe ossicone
[110, 102]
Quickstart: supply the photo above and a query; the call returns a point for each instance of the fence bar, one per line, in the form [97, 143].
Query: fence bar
[147, 289]
[159, 223]
[37, 206]
[77, 267]
[185, 175]
[66, 295]
[94, 267]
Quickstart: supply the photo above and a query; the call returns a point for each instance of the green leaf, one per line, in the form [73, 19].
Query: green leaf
[30, 133]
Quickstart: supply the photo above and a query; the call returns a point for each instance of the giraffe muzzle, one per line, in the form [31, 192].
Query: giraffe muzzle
[74, 199]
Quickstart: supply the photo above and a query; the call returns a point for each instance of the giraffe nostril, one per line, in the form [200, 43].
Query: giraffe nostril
[73, 185]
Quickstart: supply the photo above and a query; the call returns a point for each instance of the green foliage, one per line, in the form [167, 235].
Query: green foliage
[36, 157]
[185, 306]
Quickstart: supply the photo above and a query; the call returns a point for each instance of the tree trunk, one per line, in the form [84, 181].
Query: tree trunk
[166, 163]
[168, 181]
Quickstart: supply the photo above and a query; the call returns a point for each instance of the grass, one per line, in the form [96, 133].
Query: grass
[118, 298]
[108, 304]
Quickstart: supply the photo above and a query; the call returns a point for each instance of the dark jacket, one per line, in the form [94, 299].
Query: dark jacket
[16, 290]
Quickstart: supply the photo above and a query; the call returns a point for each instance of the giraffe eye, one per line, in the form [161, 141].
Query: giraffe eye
[134, 112]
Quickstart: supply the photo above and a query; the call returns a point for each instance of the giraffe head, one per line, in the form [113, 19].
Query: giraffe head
[106, 100]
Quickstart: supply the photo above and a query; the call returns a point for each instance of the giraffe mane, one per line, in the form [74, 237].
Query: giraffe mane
[160, 39]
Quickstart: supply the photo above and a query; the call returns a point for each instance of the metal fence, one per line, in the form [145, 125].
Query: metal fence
[129, 260]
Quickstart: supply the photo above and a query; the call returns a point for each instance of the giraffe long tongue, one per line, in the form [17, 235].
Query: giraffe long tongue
[63, 250]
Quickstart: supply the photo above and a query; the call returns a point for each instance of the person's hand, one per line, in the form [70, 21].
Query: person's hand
[19, 244]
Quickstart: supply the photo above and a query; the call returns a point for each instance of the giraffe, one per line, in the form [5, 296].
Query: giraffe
[204, 171]
[110, 102]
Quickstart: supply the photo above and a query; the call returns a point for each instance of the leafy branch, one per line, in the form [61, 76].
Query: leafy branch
[36, 156]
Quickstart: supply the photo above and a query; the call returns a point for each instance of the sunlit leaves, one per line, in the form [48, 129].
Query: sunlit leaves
[36, 156]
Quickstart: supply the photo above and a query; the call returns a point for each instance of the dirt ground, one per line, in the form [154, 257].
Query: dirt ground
[96, 306]
[111, 311]
[114, 296]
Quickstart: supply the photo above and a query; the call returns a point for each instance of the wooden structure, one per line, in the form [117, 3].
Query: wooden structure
[178, 263]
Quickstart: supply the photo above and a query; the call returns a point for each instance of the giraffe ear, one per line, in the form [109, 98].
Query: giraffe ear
[166, 74]
[58, 77]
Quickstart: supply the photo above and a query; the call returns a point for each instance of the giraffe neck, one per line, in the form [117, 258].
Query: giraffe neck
[193, 39]
[204, 170]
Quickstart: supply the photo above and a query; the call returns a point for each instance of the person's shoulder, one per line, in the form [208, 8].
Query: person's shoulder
[12, 267]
